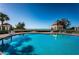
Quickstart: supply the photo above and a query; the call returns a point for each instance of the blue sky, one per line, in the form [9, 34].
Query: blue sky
[40, 16]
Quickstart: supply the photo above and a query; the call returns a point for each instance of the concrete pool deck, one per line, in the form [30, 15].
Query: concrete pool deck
[4, 35]
[7, 35]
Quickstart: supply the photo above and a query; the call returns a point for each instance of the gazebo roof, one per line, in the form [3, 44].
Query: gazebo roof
[56, 24]
[6, 24]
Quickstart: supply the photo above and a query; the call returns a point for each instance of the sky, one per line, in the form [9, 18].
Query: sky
[40, 15]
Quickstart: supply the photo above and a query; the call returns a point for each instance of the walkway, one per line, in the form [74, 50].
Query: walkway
[4, 35]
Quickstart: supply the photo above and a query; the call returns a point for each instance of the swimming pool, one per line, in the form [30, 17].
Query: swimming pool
[42, 44]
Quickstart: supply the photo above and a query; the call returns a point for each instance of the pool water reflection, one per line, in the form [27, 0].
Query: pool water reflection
[42, 44]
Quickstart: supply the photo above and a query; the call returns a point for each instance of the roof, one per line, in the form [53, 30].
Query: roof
[56, 24]
[6, 24]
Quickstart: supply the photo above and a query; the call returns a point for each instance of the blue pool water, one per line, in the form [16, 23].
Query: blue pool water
[42, 44]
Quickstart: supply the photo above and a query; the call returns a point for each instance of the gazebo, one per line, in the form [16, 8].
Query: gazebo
[57, 27]
[6, 26]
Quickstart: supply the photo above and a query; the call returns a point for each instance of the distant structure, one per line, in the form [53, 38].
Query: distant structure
[6, 26]
[56, 27]
[76, 29]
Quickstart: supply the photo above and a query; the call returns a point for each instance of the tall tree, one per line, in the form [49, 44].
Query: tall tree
[20, 25]
[65, 22]
[3, 17]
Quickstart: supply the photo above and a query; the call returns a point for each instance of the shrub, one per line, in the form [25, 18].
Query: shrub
[3, 31]
[70, 31]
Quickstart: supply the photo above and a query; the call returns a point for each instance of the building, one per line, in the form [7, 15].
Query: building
[56, 27]
[6, 26]
[76, 28]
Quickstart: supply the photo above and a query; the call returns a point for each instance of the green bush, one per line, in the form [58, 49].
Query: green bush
[3, 31]
[76, 32]
[70, 31]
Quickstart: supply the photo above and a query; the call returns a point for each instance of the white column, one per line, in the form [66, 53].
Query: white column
[1, 27]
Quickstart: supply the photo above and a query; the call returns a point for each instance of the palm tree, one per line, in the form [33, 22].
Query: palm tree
[3, 17]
